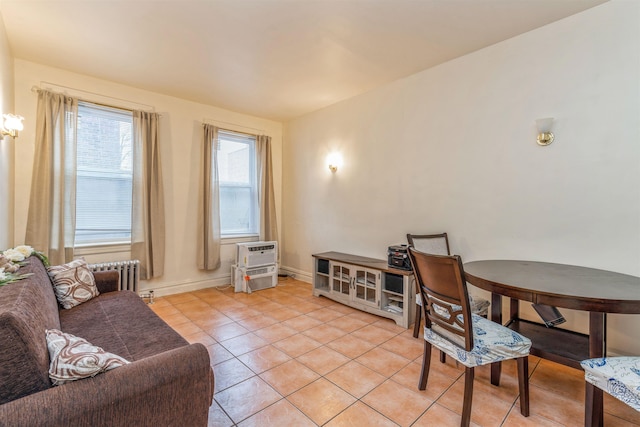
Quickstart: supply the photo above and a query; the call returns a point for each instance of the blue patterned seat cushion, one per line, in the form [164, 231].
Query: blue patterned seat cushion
[492, 342]
[618, 376]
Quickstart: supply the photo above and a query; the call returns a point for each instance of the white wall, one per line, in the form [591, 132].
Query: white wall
[453, 149]
[6, 145]
[180, 139]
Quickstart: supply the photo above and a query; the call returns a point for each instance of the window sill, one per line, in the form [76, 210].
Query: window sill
[232, 240]
[101, 248]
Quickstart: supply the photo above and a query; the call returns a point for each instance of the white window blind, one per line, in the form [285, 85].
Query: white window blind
[237, 174]
[104, 175]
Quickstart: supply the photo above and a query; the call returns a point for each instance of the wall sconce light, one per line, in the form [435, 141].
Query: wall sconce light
[334, 160]
[11, 125]
[545, 136]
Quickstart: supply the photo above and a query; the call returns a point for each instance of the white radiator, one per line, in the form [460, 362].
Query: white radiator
[129, 272]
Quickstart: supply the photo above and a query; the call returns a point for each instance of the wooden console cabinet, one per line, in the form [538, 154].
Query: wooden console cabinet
[367, 284]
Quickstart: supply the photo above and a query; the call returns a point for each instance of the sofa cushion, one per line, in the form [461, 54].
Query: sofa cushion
[121, 323]
[74, 358]
[27, 308]
[73, 283]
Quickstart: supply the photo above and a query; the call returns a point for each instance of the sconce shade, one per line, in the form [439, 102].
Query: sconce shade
[13, 122]
[334, 161]
[11, 125]
[544, 125]
[545, 136]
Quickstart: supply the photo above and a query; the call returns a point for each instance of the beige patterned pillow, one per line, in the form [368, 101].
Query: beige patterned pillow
[73, 358]
[73, 283]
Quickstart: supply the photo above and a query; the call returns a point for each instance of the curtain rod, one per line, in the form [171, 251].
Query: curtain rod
[220, 122]
[144, 106]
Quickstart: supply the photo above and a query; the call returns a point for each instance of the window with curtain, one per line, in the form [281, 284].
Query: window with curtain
[237, 174]
[104, 175]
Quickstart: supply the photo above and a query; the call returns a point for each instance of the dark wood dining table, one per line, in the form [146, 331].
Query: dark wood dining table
[565, 286]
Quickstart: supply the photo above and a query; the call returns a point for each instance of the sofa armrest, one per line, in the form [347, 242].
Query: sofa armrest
[107, 281]
[174, 388]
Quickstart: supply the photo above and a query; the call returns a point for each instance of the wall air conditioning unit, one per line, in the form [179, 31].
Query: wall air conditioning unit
[256, 254]
[249, 279]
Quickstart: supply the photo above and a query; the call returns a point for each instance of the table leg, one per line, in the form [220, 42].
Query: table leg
[496, 316]
[594, 416]
[514, 309]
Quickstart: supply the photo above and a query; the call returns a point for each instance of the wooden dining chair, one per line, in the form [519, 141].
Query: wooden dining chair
[450, 326]
[618, 376]
[438, 244]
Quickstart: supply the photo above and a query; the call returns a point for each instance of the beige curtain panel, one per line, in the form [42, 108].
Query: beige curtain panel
[208, 255]
[51, 217]
[147, 219]
[268, 222]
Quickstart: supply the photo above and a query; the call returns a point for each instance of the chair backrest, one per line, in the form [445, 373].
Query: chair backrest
[443, 290]
[437, 244]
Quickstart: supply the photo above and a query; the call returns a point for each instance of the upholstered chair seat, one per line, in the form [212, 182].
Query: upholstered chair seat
[618, 376]
[492, 342]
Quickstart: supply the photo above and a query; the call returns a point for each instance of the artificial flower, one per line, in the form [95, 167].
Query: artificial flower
[7, 266]
[25, 250]
[14, 255]
[12, 259]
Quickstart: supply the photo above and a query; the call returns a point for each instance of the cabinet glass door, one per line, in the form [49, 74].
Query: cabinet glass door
[366, 286]
[341, 278]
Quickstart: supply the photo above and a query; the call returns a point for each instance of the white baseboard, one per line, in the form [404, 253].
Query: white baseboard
[178, 288]
[303, 276]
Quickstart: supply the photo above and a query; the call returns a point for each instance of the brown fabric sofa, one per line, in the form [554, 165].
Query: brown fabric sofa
[169, 382]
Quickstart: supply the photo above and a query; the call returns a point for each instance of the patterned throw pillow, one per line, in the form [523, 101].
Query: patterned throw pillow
[73, 283]
[73, 358]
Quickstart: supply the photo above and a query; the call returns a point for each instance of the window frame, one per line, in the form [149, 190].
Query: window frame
[253, 186]
[95, 108]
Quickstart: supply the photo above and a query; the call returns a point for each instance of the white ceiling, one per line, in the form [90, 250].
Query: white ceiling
[276, 59]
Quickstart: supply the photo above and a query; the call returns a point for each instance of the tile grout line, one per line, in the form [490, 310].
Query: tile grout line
[300, 297]
[301, 332]
[256, 374]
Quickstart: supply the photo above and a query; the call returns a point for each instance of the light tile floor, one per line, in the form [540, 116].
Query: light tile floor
[283, 357]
